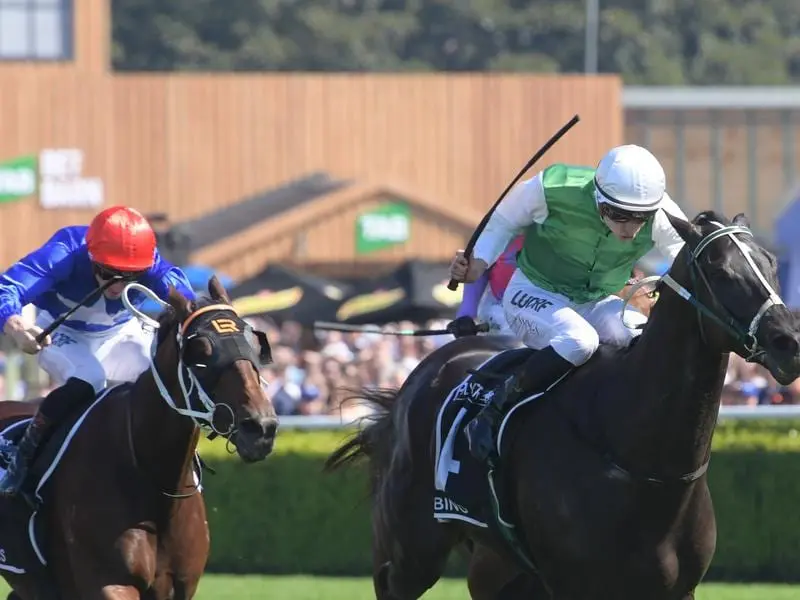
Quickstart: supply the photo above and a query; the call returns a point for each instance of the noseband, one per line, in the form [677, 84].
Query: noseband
[228, 342]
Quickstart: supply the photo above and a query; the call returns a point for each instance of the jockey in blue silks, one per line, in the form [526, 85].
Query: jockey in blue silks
[101, 342]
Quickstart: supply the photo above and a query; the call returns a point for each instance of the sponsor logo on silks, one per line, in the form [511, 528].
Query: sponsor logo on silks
[60, 339]
[447, 505]
[525, 300]
[470, 390]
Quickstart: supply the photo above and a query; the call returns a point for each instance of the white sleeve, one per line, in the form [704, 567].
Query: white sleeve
[665, 238]
[524, 204]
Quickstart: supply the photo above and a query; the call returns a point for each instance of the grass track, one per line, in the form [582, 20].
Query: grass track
[230, 587]
[222, 587]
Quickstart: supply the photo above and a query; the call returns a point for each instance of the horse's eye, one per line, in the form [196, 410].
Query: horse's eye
[198, 349]
[715, 257]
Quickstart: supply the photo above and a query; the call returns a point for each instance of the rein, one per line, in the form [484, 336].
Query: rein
[745, 336]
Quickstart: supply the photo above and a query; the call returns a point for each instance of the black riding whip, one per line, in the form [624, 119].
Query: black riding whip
[453, 285]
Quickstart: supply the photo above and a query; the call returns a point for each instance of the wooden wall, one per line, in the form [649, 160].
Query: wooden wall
[188, 144]
[757, 152]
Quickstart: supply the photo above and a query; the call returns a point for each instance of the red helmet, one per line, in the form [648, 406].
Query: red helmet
[121, 238]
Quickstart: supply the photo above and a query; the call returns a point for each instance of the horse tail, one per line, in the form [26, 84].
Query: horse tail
[376, 440]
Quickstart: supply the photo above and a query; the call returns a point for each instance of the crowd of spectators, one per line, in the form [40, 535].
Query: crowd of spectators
[314, 371]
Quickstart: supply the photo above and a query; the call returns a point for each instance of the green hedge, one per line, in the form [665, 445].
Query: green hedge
[284, 516]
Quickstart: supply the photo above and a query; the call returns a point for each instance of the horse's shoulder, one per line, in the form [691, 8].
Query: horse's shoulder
[14, 410]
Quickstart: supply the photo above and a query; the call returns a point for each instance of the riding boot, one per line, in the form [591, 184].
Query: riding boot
[538, 373]
[58, 403]
[18, 469]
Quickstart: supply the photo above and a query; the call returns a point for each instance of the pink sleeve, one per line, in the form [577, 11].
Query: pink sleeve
[504, 268]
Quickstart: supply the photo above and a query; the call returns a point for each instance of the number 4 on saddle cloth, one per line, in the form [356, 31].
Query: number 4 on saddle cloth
[23, 540]
[465, 489]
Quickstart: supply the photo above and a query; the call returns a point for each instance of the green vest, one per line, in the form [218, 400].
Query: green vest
[574, 253]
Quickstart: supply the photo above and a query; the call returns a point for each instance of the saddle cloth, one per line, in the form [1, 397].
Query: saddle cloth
[462, 484]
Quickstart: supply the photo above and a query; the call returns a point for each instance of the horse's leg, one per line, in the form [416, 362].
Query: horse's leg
[119, 592]
[491, 577]
[410, 550]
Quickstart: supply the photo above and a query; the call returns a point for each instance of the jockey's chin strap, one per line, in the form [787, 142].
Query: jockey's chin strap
[745, 336]
[189, 384]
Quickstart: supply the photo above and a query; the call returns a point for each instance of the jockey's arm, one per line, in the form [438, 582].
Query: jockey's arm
[164, 274]
[665, 238]
[525, 204]
[33, 275]
[472, 296]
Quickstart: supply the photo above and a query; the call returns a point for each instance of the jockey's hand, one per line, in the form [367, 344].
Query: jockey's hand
[24, 335]
[466, 271]
[462, 327]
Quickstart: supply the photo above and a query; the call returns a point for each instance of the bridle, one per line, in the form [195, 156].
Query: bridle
[192, 390]
[745, 336]
[231, 348]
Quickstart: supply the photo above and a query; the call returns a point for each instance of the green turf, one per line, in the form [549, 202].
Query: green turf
[319, 588]
[224, 587]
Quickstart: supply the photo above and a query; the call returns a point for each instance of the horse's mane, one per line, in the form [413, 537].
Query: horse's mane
[707, 216]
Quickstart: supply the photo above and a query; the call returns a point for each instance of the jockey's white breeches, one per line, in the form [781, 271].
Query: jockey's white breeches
[541, 318]
[99, 358]
[490, 311]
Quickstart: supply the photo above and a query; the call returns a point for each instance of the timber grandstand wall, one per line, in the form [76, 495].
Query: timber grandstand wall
[186, 145]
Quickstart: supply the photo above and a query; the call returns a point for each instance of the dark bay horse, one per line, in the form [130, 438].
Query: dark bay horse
[121, 516]
[606, 473]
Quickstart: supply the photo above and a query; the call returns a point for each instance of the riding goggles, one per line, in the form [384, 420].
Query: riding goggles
[623, 216]
[107, 273]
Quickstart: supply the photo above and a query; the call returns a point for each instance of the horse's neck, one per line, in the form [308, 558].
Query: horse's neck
[164, 441]
[670, 395]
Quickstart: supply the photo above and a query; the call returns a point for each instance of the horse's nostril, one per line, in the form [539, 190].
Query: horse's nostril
[785, 344]
[270, 428]
[259, 427]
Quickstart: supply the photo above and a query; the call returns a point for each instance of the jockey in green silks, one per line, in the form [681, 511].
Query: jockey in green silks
[584, 229]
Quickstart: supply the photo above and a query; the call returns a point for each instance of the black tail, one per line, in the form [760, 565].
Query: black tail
[375, 441]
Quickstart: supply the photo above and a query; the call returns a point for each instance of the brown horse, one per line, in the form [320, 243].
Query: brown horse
[602, 480]
[121, 516]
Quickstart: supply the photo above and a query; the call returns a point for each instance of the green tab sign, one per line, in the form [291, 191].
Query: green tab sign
[17, 178]
[385, 226]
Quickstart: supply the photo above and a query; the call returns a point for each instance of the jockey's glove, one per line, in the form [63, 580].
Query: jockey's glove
[463, 326]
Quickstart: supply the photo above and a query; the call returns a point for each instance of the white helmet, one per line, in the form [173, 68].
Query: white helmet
[631, 179]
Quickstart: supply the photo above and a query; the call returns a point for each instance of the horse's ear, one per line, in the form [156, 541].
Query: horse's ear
[265, 351]
[688, 232]
[179, 302]
[741, 220]
[217, 291]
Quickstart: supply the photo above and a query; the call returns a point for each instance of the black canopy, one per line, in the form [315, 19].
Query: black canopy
[416, 291]
[284, 294]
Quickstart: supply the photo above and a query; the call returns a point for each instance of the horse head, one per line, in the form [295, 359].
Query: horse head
[209, 358]
[732, 282]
